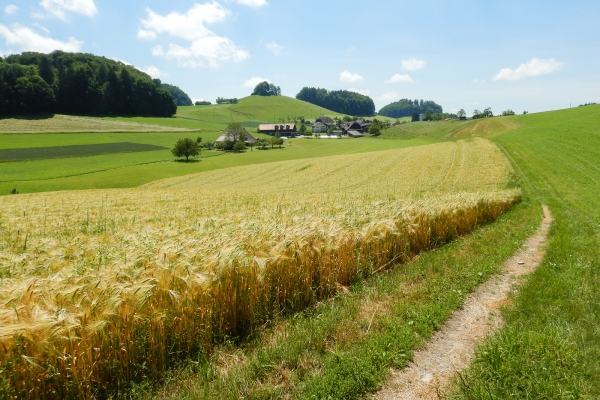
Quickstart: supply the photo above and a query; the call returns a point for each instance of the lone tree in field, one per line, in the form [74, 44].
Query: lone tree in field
[186, 148]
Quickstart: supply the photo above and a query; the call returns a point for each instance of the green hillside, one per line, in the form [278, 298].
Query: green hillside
[253, 110]
[550, 346]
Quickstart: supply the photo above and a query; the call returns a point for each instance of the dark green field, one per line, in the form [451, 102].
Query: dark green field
[82, 150]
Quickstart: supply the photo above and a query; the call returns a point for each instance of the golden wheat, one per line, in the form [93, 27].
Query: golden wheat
[101, 288]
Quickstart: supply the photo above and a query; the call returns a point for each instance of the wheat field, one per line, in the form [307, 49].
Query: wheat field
[102, 288]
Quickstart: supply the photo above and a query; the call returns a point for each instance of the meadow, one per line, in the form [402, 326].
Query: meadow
[104, 288]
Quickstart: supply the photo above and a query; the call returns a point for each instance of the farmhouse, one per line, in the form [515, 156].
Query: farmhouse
[319, 127]
[226, 136]
[288, 130]
[325, 120]
[351, 126]
[355, 134]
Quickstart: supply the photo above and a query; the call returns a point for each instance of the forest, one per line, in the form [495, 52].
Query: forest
[406, 108]
[342, 101]
[181, 98]
[77, 83]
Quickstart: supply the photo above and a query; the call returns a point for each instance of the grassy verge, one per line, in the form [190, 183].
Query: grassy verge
[550, 346]
[344, 348]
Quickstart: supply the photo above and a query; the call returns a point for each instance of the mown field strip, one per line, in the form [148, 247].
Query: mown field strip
[103, 288]
[39, 153]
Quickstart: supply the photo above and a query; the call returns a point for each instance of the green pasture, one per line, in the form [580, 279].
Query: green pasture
[254, 110]
[135, 169]
[550, 346]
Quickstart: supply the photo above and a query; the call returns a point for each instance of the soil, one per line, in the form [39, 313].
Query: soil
[451, 349]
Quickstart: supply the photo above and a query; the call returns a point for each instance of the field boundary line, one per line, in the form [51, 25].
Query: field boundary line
[452, 348]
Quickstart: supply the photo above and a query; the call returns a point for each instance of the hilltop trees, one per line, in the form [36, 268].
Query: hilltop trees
[266, 89]
[406, 108]
[342, 101]
[180, 97]
[76, 83]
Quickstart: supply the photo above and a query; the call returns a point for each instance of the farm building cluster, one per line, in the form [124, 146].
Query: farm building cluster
[354, 129]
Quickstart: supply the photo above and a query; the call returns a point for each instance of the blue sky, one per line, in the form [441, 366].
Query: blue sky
[522, 55]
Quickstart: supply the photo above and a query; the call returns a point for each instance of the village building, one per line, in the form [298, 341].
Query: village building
[355, 134]
[226, 136]
[319, 127]
[284, 130]
[325, 120]
[351, 126]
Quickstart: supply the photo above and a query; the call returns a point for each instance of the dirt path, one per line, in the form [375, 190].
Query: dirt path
[452, 347]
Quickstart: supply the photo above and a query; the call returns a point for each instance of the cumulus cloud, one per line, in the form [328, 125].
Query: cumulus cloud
[389, 96]
[158, 51]
[397, 78]
[205, 47]
[533, 67]
[274, 48]
[29, 40]
[413, 64]
[154, 72]
[59, 8]
[347, 76]
[364, 92]
[252, 3]
[11, 9]
[255, 80]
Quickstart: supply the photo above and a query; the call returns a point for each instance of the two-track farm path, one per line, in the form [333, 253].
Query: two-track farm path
[451, 349]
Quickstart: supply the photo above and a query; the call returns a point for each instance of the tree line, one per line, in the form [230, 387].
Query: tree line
[342, 101]
[77, 83]
[266, 89]
[181, 98]
[407, 108]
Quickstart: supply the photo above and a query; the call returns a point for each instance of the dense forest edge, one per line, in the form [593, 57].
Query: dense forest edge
[181, 98]
[342, 101]
[78, 83]
[406, 108]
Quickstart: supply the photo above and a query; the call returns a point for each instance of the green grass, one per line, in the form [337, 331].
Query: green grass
[258, 109]
[550, 346]
[135, 169]
[79, 150]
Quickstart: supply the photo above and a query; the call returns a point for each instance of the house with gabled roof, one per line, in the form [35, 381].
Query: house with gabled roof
[287, 130]
[226, 136]
[325, 120]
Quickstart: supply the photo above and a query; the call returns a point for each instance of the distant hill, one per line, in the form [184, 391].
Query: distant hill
[342, 101]
[253, 110]
[181, 98]
[406, 108]
[81, 84]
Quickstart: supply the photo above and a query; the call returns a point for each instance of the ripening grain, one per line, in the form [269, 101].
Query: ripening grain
[99, 288]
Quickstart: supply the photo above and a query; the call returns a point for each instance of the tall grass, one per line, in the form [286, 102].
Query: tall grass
[103, 288]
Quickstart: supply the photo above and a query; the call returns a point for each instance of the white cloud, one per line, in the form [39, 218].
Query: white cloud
[29, 40]
[274, 48]
[58, 8]
[158, 51]
[206, 48]
[533, 67]
[41, 27]
[146, 35]
[252, 3]
[399, 78]
[154, 72]
[255, 80]
[413, 64]
[364, 92]
[11, 9]
[347, 76]
[389, 96]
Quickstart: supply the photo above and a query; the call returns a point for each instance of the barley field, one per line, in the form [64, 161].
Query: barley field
[102, 288]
